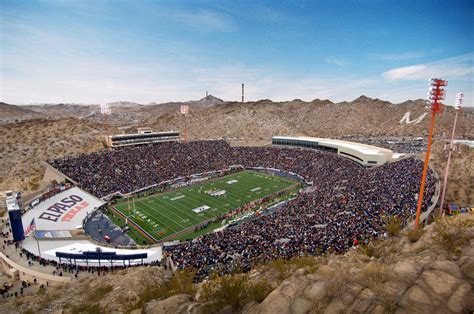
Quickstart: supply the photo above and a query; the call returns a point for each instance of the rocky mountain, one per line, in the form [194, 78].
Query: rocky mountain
[319, 118]
[123, 112]
[123, 104]
[16, 113]
[62, 110]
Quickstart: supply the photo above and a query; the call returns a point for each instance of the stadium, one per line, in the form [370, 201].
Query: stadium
[217, 207]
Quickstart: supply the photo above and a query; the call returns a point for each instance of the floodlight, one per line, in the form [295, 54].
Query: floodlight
[438, 82]
[459, 101]
[105, 109]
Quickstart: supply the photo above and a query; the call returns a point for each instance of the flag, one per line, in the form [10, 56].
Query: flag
[31, 227]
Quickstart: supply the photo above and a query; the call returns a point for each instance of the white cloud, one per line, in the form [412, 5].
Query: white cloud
[401, 56]
[461, 66]
[340, 62]
[207, 20]
[413, 72]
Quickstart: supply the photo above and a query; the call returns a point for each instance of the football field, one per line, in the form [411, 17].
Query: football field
[165, 214]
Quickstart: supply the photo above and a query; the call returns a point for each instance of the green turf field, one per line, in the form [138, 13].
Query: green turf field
[166, 214]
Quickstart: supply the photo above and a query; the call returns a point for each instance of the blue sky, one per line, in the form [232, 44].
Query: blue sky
[157, 51]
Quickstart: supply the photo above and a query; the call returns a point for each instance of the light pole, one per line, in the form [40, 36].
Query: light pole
[105, 111]
[184, 110]
[435, 95]
[457, 107]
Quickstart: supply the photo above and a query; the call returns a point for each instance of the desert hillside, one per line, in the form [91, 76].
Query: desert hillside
[320, 118]
[12, 113]
[26, 145]
[461, 178]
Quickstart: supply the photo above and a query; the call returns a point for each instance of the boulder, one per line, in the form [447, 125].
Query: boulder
[457, 302]
[300, 272]
[275, 302]
[415, 295]
[394, 289]
[336, 306]
[181, 303]
[366, 294]
[447, 267]
[440, 282]
[301, 305]
[467, 268]
[360, 306]
[407, 270]
[317, 291]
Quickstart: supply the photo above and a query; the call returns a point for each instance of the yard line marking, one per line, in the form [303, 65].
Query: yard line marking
[177, 197]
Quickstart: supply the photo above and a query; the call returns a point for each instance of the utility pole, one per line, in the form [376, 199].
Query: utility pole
[243, 93]
[457, 107]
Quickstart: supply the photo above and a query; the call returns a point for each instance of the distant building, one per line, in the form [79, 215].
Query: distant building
[366, 155]
[144, 136]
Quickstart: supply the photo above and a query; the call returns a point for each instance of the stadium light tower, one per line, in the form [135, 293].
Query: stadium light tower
[435, 95]
[457, 107]
[184, 109]
[106, 111]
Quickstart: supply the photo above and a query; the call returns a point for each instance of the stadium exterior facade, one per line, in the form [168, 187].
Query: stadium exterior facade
[365, 155]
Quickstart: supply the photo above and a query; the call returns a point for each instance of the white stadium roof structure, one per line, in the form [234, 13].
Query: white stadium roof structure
[365, 155]
[63, 211]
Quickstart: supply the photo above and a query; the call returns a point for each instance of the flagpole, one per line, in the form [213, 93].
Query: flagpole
[37, 243]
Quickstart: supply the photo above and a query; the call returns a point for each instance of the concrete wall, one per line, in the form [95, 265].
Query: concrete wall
[51, 174]
[27, 274]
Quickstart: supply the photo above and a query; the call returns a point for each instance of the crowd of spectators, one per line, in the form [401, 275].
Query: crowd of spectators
[347, 204]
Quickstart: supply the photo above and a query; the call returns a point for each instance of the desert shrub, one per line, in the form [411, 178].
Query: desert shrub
[34, 185]
[415, 235]
[393, 225]
[371, 249]
[223, 291]
[451, 235]
[180, 283]
[86, 308]
[374, 274]
[336, 279]
[257, 292]
[282, 267]
[99, 293]
[309, 262]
